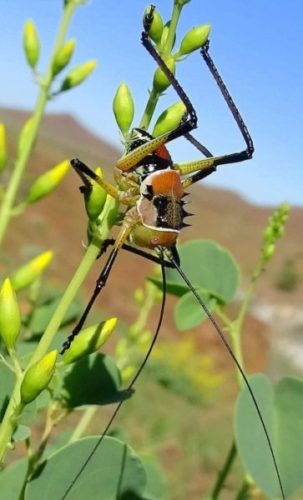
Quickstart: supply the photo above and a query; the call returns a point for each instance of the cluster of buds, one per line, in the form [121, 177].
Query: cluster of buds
[61, 59]
[123, 103]
[158, 32]
[274, 231]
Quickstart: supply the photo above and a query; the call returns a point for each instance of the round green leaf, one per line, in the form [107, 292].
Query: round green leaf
[208, 266]
[114, 471]
[189, 313]
[282, 410]
[156, 481]
[94, 380]
[12, 479]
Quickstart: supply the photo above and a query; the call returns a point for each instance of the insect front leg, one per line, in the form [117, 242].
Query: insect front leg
[131, 220]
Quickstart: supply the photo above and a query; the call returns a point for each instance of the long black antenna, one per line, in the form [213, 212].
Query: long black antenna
[131, 385]
[232, 355]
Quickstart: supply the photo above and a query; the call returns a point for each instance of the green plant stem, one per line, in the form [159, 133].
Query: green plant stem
[83, 423]
[172, 29]
[69, 295]
[244, 491]
[24, 154]
[14, 407]
[224, 472]
[164, 52]
[234, 329]
[149, 109]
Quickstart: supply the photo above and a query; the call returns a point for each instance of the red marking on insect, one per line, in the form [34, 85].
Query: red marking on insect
[163, 152]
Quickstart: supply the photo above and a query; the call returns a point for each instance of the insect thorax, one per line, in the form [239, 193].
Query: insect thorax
[157, 160]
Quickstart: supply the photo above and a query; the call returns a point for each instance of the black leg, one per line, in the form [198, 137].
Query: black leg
[203, 149]
[101, 281]
[135, 251]
[248, 152]
[191, 121]
[100, 284]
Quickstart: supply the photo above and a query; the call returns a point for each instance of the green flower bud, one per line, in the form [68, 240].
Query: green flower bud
[23, 137]
[123, 106]
[47, 182]
[95, 198]
[3, 150]
[194, 39]
[156, 28]
[127, 373]
[89, 340]
[27, 274]
[139, 296]
[161, 82]
[145, 340]
[10, 318]
[169, 119]
[77, 75]
[121, 348]
[63, 57]
[37, 377]
[31, 43]
[268, 252]
[268, 234]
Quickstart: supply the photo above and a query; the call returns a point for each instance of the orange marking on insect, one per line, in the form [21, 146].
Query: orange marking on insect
[167, 182]
[162, 152]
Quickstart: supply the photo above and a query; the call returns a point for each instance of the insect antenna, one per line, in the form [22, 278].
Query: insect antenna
[129, 389]
[170, 256]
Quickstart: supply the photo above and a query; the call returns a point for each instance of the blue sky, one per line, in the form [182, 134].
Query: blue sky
[257, 47]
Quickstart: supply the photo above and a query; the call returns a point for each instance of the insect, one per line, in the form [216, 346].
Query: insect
[152, 187]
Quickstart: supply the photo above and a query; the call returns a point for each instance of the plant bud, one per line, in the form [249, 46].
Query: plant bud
[95, 197]
[89, 340]
[169, 119]
[31, 43]
[268, 252]
[139, 296]
[10, 318]
[77, 75]
[194, 39]
[3, 150]
[37, 377]
[47, 182]
[145, 339]
[123, 106]
[63, 57]
[127, 373]
[268, 234]
[161, 82]
[156, 29]
[27, 274]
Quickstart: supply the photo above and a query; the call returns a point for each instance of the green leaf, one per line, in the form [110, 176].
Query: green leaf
[43, 314]
[114, 472]
[208, 266]
[12, 479]
[156, 481]
[94, 380]
[22, 432]
[282, 410]
[189, 313]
